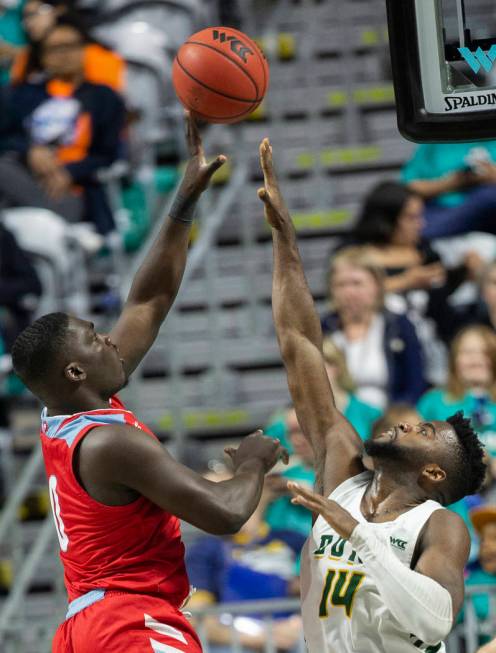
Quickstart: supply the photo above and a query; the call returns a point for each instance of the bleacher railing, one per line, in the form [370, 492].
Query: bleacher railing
[466, 637]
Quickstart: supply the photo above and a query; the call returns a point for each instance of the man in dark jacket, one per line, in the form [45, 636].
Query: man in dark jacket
[60, 132]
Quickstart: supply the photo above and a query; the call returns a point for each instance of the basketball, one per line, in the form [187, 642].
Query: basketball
[220, 74]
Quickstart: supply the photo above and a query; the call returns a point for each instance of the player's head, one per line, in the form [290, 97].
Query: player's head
[391, 213]
[443, 459]
[59, 355]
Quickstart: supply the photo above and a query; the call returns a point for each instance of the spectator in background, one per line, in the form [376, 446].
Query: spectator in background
[382, 350]
[11, 35]
[360, 414]
[280, 513]
[418, 283]
[100, 65]
[471, 385]
[483, 571]
[256, 563]
[20, 289]
[60, 133]
[458, 182]
[485, 310]
[391, 222]
[482, 311]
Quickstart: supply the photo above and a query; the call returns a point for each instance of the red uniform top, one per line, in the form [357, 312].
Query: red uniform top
[136, 547]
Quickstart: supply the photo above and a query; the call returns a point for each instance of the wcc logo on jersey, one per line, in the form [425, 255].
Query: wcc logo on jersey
[479, 59]
[237, 46]
[397, 543]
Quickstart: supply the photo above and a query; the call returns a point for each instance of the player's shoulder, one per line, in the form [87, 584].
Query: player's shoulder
[445, 526]
[104, 442]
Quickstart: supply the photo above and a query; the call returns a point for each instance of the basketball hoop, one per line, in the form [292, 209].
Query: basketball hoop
[443, 55]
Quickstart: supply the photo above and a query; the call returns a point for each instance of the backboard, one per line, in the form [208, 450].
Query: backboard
[443, 55]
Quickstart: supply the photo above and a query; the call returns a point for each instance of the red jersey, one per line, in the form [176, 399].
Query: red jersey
[135, 547]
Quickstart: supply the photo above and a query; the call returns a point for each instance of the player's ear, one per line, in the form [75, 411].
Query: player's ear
[433, 473]
[74, 372]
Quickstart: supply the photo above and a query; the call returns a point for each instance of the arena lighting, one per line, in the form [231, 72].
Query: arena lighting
[443, 55]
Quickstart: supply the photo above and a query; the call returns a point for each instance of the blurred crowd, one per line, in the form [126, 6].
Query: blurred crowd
[411, 317]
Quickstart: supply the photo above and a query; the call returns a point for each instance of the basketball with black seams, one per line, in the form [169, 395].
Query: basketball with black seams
[220, 74]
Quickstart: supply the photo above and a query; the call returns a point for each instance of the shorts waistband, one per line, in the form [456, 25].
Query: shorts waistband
[93, 596]
[84, 601]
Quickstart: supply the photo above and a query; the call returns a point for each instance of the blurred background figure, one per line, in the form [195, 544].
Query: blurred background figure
[20, 288]
[382, 350]
[471, 385]
[458, 182]
[61, 132]
[483, 570]
[11, 36]
[416, 279]
[279, 512]
[100, 64]
[361, 414]
[259, 562]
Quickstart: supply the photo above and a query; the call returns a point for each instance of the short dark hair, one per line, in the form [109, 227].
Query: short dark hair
[36, 348]
[470, 468]
[380, 211]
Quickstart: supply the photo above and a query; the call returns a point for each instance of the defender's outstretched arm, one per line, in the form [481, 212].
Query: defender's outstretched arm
[337, 446]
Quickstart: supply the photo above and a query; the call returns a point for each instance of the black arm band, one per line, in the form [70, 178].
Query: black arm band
[183, 208]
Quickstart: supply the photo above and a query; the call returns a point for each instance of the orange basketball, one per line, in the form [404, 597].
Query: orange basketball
[220, 75]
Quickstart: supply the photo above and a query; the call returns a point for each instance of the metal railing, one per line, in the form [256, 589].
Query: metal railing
[259, 616]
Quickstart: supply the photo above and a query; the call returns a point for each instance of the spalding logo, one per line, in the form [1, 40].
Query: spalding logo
[237, 46]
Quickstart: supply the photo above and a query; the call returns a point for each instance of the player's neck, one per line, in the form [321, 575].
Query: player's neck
[77, 405]
[388, 494]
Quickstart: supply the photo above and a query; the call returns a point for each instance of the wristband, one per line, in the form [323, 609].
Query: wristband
[183, 208]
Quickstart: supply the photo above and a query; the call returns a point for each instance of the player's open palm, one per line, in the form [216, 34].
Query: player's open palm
[258, 446]
[198, 172]
[276, 212]
[336, 516]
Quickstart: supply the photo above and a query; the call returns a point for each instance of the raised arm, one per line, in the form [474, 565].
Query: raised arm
[337, 446]
[157, 282]
[107, 466]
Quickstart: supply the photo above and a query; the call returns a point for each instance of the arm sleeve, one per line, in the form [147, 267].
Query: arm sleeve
[419, 603]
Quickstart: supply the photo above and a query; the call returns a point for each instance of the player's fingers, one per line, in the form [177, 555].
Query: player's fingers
[283, 455]
[188, 125]
[266, 159]
[313, 506]
[193, 135]
[299, 490]
[265, 197]
[230, 451]
[215, 165]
